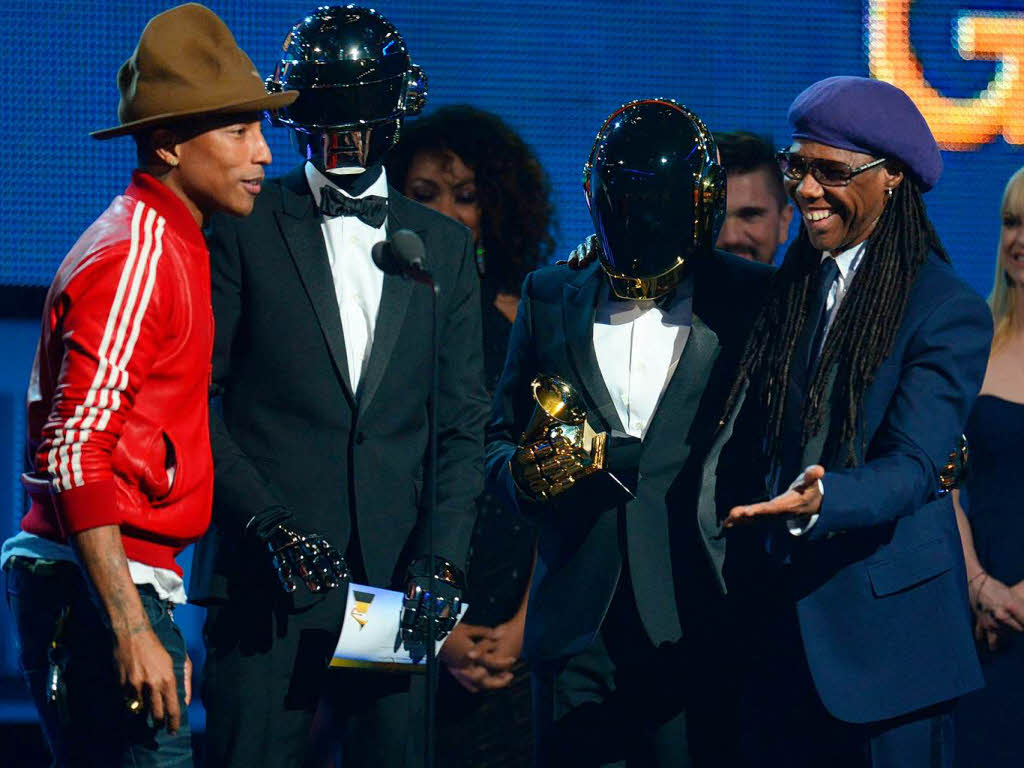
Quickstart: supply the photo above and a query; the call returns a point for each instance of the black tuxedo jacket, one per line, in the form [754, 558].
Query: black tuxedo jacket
[580, 551]
[292, 432]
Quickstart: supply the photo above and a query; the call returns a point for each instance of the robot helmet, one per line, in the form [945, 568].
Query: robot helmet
[356, 83]
[656, 193]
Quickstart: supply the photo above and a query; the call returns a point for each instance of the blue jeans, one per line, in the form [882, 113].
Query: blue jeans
[92, 726]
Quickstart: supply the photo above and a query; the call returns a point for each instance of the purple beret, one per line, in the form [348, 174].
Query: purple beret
[869, 116]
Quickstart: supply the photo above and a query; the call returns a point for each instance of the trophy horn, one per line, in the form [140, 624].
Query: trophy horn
[559, 407]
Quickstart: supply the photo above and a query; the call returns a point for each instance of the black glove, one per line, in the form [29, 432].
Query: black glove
[448, 585]
[307, 555]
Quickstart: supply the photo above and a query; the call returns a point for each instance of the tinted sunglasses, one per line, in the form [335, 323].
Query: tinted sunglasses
[830, 173]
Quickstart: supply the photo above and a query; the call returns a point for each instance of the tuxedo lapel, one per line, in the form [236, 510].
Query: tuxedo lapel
[708, 518]
[578, 307]
[394, 303]
[665, 451]
[299, 221]
[678, 404]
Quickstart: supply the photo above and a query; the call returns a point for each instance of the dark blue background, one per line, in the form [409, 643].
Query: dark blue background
[554, 70]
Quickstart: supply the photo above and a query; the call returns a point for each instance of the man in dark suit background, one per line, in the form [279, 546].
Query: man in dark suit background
[624, 605]
[860, 371]
[322, 364]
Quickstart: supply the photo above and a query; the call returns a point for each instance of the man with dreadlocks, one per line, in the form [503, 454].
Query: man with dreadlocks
[860, 371]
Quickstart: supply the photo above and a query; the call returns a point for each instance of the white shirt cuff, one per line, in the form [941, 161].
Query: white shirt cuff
[798, 526]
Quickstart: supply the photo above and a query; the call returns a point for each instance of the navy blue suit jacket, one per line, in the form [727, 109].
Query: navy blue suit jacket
[580, 551]
[879, 579]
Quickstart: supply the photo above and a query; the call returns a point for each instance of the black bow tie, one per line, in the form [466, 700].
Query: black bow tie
[372, 210]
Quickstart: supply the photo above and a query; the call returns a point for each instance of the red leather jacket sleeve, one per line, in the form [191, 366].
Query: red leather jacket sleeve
[108, 323]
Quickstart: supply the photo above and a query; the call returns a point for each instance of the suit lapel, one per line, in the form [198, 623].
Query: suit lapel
[578, 307]
[299, 221]
[394, 303]
[708, 518]
[665, 451]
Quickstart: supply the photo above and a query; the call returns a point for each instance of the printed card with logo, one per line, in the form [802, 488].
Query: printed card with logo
[370, 634]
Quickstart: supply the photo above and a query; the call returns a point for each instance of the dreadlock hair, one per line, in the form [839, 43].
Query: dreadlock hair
[862, 333]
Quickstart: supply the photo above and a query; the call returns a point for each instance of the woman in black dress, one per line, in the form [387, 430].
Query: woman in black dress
[468, 164]
[990, 512]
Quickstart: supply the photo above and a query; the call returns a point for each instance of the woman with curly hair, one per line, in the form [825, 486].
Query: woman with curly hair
[469, 165]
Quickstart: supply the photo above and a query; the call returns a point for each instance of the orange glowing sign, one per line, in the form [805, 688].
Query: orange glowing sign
[958, 124]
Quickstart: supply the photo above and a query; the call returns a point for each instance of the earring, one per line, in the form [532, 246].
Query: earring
[889, 192]
[481, 261]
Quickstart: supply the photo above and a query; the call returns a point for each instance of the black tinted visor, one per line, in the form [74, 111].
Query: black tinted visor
[340, 106]
[644, 219]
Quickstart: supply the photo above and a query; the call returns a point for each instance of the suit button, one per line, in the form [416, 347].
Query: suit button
[360, 438]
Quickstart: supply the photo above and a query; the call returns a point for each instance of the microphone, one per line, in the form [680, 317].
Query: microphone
[404, 254]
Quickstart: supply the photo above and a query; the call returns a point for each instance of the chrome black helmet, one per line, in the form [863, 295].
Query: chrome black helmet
[656, 193]
[355, 81]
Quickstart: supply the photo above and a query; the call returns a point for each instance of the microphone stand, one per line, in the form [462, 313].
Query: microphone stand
[405, 261]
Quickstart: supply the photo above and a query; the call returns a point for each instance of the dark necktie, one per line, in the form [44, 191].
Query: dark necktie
[817, 312]
[805, 357]
[371, 209]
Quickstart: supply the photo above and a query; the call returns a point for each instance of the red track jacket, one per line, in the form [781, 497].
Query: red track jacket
[119, 387]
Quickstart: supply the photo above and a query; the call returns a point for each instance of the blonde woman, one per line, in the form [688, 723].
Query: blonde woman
[990, 513]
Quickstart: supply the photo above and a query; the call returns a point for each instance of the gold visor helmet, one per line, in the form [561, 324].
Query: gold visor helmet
[656, 193]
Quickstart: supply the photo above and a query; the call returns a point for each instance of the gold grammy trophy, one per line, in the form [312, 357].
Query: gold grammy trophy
[560, 455]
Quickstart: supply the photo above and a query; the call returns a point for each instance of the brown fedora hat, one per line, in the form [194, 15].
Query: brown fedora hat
[187, 63]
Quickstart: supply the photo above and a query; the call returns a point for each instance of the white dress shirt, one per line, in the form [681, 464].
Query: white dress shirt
[847, 262]
[638, 345]
[358, 283]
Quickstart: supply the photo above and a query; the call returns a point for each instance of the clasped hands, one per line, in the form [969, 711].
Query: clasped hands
[801, 500]
[998, 609]
[482, 658]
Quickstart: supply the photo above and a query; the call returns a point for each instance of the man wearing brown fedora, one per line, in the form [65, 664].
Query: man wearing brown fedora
[117, 407]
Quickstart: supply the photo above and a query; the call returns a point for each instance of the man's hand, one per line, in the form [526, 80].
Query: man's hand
[308, 556]
[144, 667]
[146, 673]
[584, 254]
[801, 500]
[188, 680]
[544, 469]
[436, 590]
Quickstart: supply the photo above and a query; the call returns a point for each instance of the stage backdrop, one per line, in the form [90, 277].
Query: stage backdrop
[554, 70]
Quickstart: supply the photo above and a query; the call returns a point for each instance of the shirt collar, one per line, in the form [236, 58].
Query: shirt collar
[317, 181]
[848, 260]
[162, 198]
